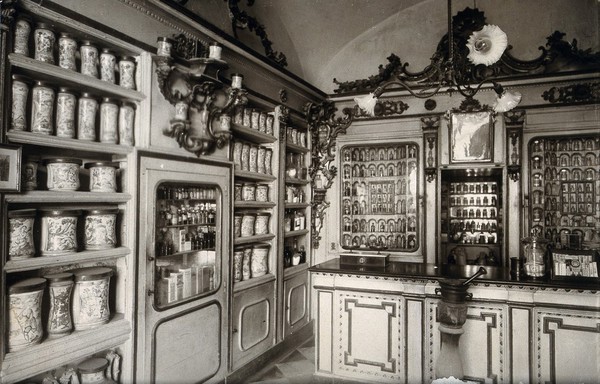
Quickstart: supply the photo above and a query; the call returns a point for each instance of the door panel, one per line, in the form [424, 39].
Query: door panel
[296, 303]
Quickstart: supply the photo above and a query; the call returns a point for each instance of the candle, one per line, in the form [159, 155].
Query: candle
[236, 80]
[214, 51]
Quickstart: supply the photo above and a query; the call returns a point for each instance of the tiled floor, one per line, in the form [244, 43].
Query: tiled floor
[298, 367]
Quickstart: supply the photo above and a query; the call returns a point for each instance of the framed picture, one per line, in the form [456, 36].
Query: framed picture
[471, 137]
[10, 168]
[574, 264]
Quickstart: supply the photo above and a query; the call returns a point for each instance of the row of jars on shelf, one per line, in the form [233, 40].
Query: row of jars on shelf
[79, 299]
[458, 201]
[252, 158]
[246, 224]
[564, 160]
[97, 369]
[59, 231]
[295, 166]
[381, 170]
[474, 237]
[294, 194]
[402, 225]
[63, 174]
[554, 204]
[178, 280]
[379, 154]
[565, 144]
[170, 241]
[479, 213]
[253, 118]
[576, 174]
[556, 219]
[401, 207]
[293, 255]
[555, 188]
[251, 192]
[250, 261]
[103, 65]
[294, 220]
[402, 241]
[63, 112]
[169, 192]
[295, 136]
[186, 215]
[472, 225]
[360, 189]
[479, 187]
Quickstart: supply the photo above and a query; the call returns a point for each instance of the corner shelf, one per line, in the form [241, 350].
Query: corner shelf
[38, 262]
[50, 354]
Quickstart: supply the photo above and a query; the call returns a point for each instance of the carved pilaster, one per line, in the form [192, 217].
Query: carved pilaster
[514, 121]
[430, 126]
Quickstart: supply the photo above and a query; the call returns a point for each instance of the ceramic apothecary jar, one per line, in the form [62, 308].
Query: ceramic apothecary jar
[103, 176]
[92, 371]
[100, 229]
[20, 238]
[60, 287]
[91, 297]
[63, 173]
[59, 231]
[260, 260]
[25, 313]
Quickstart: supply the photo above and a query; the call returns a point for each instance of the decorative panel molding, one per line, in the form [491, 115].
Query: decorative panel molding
[254, 323]
[297, 304]
[375, 356]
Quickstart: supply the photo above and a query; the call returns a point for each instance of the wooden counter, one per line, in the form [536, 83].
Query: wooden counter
[379, 325]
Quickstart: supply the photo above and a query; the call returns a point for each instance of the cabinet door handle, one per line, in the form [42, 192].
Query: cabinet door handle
[150, 292]
[234, 330]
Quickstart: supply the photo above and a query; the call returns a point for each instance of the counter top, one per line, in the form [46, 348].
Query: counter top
[494, 275]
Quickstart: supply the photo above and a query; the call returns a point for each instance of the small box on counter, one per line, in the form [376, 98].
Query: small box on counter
[377, 260]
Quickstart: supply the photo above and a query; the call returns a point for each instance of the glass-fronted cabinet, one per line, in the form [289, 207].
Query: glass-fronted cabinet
[472, 216]
[186, 218]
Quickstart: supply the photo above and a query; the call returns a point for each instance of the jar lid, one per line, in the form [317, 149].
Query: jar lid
[28, 285]
[102, 211]
[88, 95]
[21, 78]
[67, 90]
[21, 213]
[43, 26]
[128, 104]
[262, 246]
[237, 75]
[66, 34]
[93, 365]
[41, 84]
[215, 44]
[107, 50]
[127, 58]
[249, 185]
[108, 100]
[262, 185]
[87, 42]
[92, 273]
[59, 277]
[60, 212]
[102, 164]
[263, 214]
[69, 160]
[165, 39]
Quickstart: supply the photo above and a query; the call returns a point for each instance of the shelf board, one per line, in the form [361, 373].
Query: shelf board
[50, 354]
[294, 270]
[253, 239]
[291, 147]
[243, 132]
[493, 245]
[24, 137]
[55, 75]
[296, 205]
[68, 197]
[254, 176]
[296, 233]
[253, 204]
[289, 180]
[38, 262]
[252, 282]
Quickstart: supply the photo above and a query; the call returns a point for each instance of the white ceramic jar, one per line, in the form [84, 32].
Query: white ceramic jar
[252, 158]
[237, 225]
[91, 307]
[261, 223]
[248, 224]
[59, 232]
[108, 65]
[44, 41]
[25, 313]
[86, 117]
[238, 257]
[126, 121]
[42, 108]
[21, 41]
[237, 154]
[164, 46]
[92, 371]
[246, 260]
[66, 102]
[249, 192]
[89, 59]
[20, 237]
[20, 94]
[262, 192]
[60, 321]
[63, 173]
[100, 229]
[260, 159]
[103, 176]
[127, 72]
[260, 260]
[109, 120]
[67, 52]
[29, 174]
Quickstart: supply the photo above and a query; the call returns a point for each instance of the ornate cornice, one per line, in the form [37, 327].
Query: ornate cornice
[584, 93]
[7, 12]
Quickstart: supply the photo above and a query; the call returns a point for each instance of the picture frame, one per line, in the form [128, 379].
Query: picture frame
[471, 137]
[578, 265]
[10, 168]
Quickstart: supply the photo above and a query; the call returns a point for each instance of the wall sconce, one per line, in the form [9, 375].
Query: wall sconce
[430, 126]
[203, 103]
[514, 122]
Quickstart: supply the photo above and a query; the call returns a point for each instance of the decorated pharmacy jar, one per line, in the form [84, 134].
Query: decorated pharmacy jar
[238, 257]
[25, 313]
[59, 231]
[67, 52]
[108, 64]
[20, 93]
[100, 229]
[260, 159]
[262, 192]
[92, 371]
[29, 174]
[66, 101]
[246, 261]
[20, 238]
[60, 287]
[103, 176]
[237, 191]
[44, 41]
[261, 223]
[91, 297]
[237, 154]
[248, 220]
[237, 225]
[86, 118]
[42, 107]
[127, 72]
[126, 121]
[260, 260]
[268, 157]
[249, 192]
[63, 173]
[89, 59]
[109, 120]
[21, 41]
[252, 158]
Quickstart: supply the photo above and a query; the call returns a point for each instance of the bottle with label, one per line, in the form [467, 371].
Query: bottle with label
[296, 255]
[302, 254]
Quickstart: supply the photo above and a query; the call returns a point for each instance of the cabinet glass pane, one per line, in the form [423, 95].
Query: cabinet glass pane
[379, 196]
[186, 217]
[564, 190]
